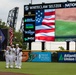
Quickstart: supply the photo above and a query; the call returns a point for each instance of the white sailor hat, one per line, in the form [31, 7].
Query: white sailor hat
[17, 44]
[12, 45]
[8, 46]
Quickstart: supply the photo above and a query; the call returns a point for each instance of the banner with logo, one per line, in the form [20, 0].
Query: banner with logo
[67, 57]
[3, 38]
[29, 26]
[40, 57]
[25, 56]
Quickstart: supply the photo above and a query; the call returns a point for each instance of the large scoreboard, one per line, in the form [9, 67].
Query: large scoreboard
[50, 22]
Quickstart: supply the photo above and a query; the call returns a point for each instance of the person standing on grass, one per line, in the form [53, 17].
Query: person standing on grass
[17, 55]
[20, 59]
[11, 57]
[13, 54]
[7, 56]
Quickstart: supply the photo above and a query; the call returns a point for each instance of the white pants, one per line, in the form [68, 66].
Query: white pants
[14, 58]
[19, 62]
[7, 58]
[11, 61]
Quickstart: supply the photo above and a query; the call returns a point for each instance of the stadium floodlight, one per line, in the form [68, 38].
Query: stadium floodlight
[12, 17]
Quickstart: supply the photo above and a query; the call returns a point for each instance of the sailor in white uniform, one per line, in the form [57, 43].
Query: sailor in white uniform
[17, 55]
[20, 59]
[13, 54]
[7, 56]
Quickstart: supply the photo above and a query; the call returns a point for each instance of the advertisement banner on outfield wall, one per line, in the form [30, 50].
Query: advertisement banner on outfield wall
[67, 57]
[25, 56]
[36, 56]
[40, 57]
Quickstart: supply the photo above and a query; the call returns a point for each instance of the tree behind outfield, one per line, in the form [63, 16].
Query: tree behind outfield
[18, 36]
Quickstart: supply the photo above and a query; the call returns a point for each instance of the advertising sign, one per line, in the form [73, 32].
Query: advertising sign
[25, 56]
[29, 26]
[40, 57]
[67, 57]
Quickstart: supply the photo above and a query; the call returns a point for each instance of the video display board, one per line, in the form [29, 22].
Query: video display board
[50, 22]
[65, 24]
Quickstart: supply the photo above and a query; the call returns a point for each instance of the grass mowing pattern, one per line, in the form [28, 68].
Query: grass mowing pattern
[65, 28]
[43, 68]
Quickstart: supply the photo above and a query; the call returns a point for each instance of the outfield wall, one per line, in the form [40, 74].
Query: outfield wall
[52, 45]
[46, 56]
[49, 56]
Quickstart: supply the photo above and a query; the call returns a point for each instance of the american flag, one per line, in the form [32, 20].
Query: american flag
[11, 35]
[45, 25]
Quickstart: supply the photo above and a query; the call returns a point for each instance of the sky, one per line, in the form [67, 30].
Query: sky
[6, 5]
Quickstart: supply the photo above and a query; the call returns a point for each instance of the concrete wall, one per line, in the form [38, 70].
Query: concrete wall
[36, 46]
[72, 45]
[54, 45]
[51, 45]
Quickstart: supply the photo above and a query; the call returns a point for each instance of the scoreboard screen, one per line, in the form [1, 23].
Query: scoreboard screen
[49, 22]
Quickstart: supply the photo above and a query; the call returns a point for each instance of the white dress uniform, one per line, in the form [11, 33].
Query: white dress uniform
[13, 54]
[17, 56]
[7, 58]
[11, 58]
[19, 60]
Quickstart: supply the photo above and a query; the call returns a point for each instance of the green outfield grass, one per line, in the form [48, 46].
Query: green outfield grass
[43, 68]
[65, 28]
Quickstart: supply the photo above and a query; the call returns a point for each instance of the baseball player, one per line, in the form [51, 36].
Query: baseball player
[7, 58]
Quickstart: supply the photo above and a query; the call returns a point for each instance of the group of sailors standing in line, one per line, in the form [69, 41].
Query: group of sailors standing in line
[13, 57]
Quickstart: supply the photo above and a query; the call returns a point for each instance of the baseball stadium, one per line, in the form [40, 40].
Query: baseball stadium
[45, 43]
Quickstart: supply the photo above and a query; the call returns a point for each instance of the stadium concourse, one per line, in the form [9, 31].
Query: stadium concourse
[10, 73]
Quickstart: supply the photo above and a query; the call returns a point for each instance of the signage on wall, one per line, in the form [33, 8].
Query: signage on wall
[67, 57]
[40, 57]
